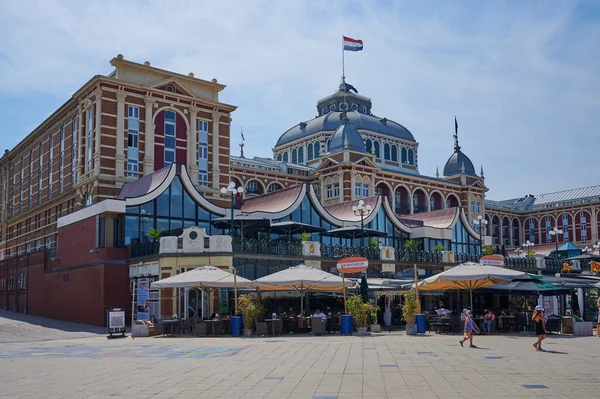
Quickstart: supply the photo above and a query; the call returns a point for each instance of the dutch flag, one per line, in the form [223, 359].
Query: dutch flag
[352, 44]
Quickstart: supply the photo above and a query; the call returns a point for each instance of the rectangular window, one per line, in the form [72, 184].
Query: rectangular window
[48, 242]
[531, 230]
[203, 153]
[357, 190]
[365, 190]
[170, 129]
[252, 187]
[61, 163]
[28, 247]
[40, 175]
[472, 203]
[329, 191]
[30, 179]
[336, 190]
[398, 199]
[90, 139]
[21, 184]
[548, 235]
[478, 207]
[50, 162]
[133, 145]
[74, 143]
[583, 220]
[565, 228]
[38, 245]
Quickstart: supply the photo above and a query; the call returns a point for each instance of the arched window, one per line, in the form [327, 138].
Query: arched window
[317, 149]
[411, 159]
[394, 153]
[279, 157]
[377, 153]
[285, 157]
[369, 145]
[11, 283]
[404, 155]
[274, 187]
[309, 152]
[386, 152]
[301, 155]
[294, 156]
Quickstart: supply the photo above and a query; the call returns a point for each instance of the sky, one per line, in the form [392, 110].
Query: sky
[522, 77]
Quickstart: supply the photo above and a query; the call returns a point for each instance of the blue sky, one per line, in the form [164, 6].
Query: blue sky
[523, 77]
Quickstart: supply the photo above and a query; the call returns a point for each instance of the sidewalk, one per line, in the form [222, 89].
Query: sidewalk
[19, 327]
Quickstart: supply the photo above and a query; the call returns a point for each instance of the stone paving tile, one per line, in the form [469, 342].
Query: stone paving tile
[385, 366]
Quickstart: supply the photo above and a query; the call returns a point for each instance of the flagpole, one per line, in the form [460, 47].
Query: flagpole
[343, 67]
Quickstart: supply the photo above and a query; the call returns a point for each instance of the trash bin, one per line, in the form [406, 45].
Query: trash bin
[346, 325]
[420, 322]
[236, 326]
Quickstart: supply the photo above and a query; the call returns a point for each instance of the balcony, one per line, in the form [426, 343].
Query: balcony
[261, 247]
[344, 251]
[144, 249]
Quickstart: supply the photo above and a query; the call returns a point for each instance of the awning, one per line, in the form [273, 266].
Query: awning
[240, 221]
[202, 277]
[302, 278]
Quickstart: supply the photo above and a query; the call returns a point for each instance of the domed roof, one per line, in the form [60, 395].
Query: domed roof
[332, 121]
[455, 165]
[346, 137]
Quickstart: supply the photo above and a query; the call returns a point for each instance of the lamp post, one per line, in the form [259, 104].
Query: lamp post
[481, 223]
[519, 251]
[586, 250]
[527, 245]
[362, 211]
[556, 232]
[596, 246]
[142, 221]
[233, 190]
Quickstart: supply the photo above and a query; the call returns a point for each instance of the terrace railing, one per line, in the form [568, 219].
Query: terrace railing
[405, 255]
[144, 249]
[463, 258]
[344, 251]
[280, 248]
[520, 263]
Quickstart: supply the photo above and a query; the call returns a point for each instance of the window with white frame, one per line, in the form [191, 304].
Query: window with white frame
[477, 207]
[531, 230]
[301, 155]
[203, 153]
[357, 189]
[415, 199]
[398, 199]
[309, 152]
[74, 143]
[330, 191]
[28, 247]
[285, 157]
[87, 200]
[548, 222]
[386, 152]
[133, 141]
[38, 245]
[90, 139]
[61, 161]
[565, 226]
[365, 189]
[472, 203]
[30, 178]
[252, 187]
[295, 156]
[19, 251]
[317, 149]
[411, 159]
[377, 152]
[40, 176]
[336, 190]
[50, 164]
[170, 129]
[583, 220]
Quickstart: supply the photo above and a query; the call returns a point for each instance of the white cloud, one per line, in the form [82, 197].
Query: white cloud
[522, 80]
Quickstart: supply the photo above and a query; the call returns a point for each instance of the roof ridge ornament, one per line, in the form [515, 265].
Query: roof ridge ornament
[481, 170]
[456, 146]
[437, 172]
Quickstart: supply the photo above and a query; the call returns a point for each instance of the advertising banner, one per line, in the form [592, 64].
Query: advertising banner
[223, 301]
[143, 298]
[116, 321]
[492, 260]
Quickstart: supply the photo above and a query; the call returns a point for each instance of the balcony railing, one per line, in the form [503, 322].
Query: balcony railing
[463, 258]
[520, 263]
[280, 248]
[405, 255]
[145, 249]
[343, 251]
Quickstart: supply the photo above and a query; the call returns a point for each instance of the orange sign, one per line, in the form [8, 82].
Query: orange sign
[354, 264]
[492, 260]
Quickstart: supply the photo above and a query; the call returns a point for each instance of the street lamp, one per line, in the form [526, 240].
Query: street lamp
[143, 219]
[596, 246]
[556, 232]
[527, 246]
[233, 190]
[362, 211]
[519, 251]
[586, 250]
[481, 223]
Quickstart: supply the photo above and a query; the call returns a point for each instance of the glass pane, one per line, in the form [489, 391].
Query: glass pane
[132, 210]
[176, 198]
[170, 142]
[188, 223]
[189, 206]
[205, 226]
[203, 214]
[148, 208]
[163, 225]
[176, 227]
[162, 204]
[131, 230]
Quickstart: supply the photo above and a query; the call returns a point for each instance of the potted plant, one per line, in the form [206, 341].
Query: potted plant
[410, 245]
[439, 248]
[375, 326]
[154, 234]
[488, 250]
[409, 311]
[360, 312]
[249, 309]
[304, 237]
[374, 243]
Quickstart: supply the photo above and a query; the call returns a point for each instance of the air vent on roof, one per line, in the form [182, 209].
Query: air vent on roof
[384, 121]
[302, 125]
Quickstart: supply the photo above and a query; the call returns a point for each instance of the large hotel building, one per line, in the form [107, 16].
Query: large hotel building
[148, 148]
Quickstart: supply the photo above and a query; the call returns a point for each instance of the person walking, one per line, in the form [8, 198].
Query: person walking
[540, 326]
[469, 326]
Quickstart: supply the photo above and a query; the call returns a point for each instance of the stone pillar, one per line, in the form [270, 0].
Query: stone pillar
[120, 153]
[97, 132]
[192, 146]
[352, 182]
[82, 134]
[411, 202]
[215, 151]
[149, 137]
[341, 182]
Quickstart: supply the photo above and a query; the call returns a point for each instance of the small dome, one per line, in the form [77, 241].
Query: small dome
[455, 164]
[346, 137]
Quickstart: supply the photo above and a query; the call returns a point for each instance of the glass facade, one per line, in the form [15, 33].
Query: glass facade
[171, 212]
[462, 241]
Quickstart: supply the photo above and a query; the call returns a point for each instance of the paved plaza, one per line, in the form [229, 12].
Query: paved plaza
[58, 363]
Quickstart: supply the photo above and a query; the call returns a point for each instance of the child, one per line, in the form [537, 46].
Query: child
[469, 326]
[540, 326]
